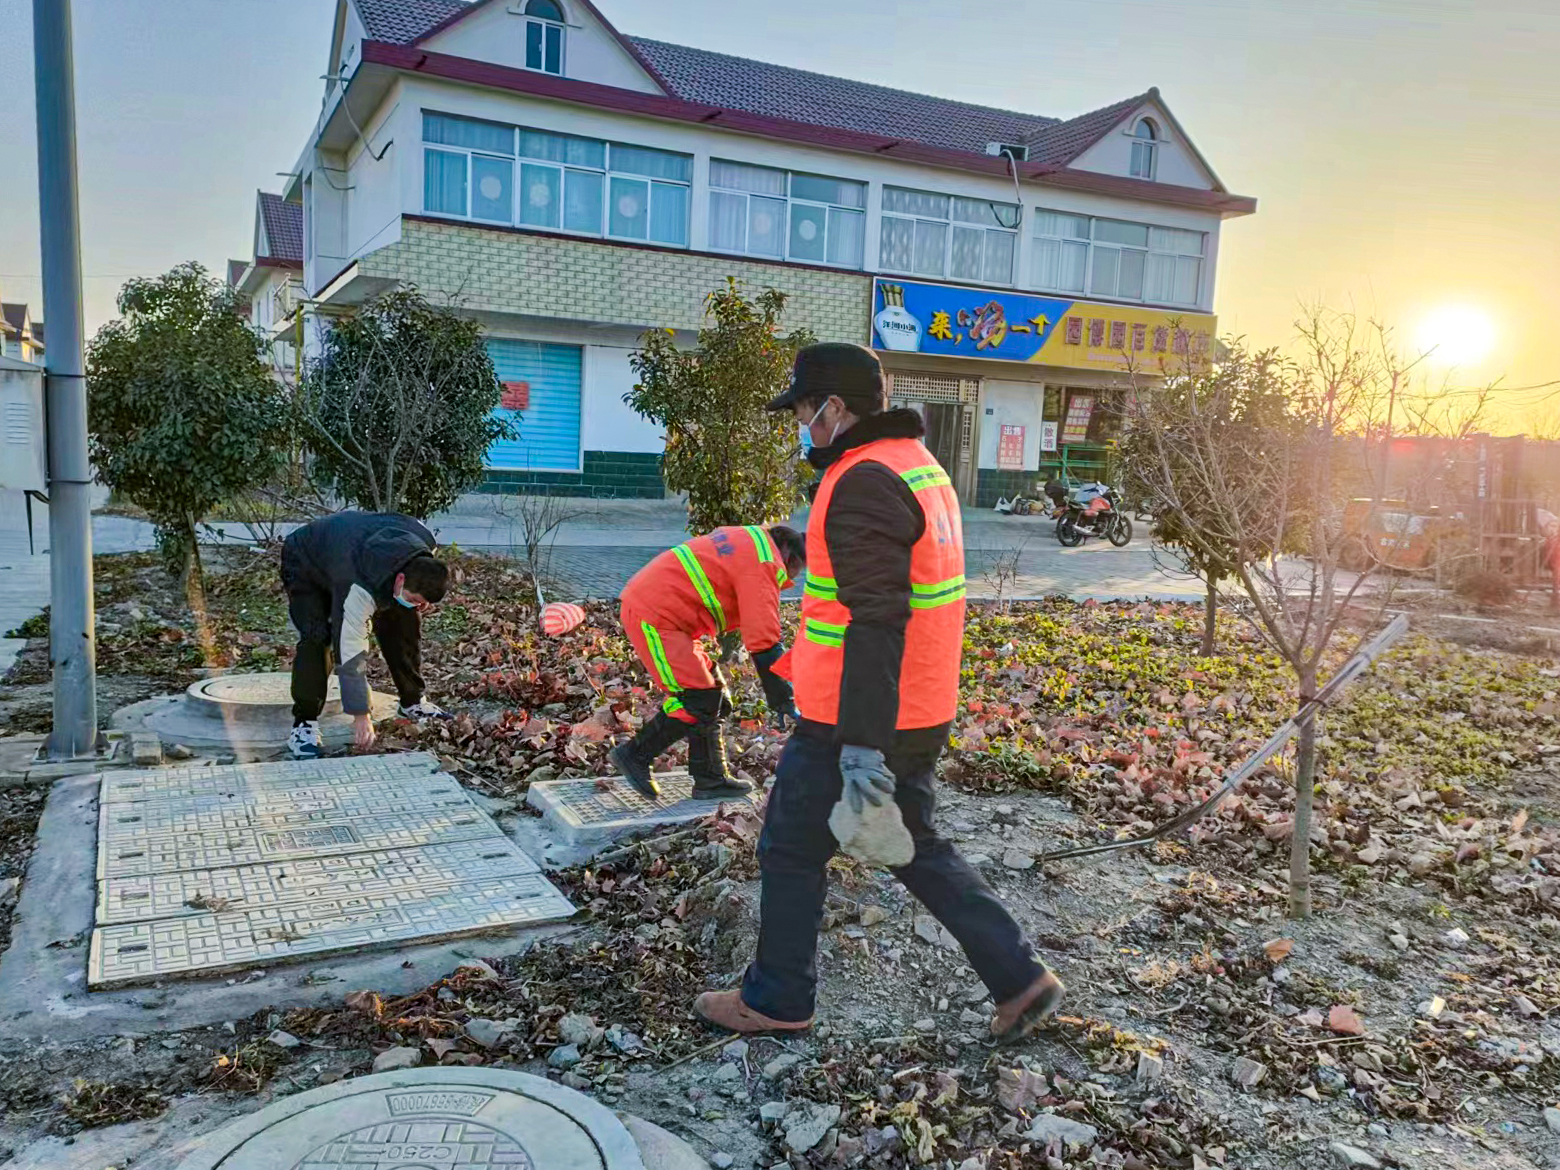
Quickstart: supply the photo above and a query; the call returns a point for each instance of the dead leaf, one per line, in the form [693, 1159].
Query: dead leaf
[1278, 949]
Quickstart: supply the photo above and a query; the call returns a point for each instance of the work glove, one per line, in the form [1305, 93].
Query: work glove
[779, 695]
[865, 775]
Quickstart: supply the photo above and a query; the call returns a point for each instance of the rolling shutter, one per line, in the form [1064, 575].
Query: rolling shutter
[550, 424]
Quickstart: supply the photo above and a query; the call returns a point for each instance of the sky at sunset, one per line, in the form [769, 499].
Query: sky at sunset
[1405, 153]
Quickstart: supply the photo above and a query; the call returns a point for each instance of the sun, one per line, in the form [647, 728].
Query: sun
[1456, 335]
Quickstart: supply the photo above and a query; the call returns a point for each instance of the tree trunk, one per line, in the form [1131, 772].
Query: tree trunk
[1210, 616]
[1305, 786]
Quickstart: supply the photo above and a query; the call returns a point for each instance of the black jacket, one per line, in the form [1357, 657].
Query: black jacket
[873, 522]
[354, 557]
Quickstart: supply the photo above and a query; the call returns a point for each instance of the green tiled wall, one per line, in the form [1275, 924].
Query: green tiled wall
[608, 475]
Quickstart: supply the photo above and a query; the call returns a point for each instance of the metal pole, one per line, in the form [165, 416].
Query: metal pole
[72, 648]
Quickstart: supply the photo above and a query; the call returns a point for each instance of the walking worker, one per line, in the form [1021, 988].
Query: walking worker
[347, 575]
[729, 579]
[876, 671]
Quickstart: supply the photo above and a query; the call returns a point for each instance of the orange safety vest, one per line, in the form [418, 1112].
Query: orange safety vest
[934, 637]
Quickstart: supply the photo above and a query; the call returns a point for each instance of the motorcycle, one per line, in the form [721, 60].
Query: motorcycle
[1093, 509]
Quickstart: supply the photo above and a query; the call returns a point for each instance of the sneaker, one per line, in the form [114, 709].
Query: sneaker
[304, 742]
[423, 709]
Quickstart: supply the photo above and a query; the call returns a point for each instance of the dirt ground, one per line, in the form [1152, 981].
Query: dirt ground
[1409, 1022]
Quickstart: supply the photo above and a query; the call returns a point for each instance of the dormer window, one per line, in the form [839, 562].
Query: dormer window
[1145, 145]
[544, 36]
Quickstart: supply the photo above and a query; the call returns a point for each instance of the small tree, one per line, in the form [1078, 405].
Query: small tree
[1200, 449]
[397, 409]
[738, 464]
[182, 410]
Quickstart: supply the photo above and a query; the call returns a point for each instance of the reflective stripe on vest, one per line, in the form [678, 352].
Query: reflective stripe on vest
[766, 553]
[701, 584]
[929, 670]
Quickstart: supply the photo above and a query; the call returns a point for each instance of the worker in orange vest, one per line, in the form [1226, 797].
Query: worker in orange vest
[876, 672]
[727, 580]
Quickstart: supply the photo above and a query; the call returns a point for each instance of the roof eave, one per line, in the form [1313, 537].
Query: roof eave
[445, 67]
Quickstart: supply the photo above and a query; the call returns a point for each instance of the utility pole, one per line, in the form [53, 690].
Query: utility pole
[72, 644]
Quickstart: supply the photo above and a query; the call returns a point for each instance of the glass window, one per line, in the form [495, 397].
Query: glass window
[563, 148]
[628, 209]
[468, 133]
[540, 204]
[653, 164]
[546, 9]
[1116, 259]
[582, 194]
[763, 211]
[492, 188]
[669, 213]
[544, 37]
[444, 182]
[940, 240]
[1142, 166]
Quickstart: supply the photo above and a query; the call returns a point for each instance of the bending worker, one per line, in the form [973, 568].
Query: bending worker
[727, 580]
[876, 671]
[346, 576]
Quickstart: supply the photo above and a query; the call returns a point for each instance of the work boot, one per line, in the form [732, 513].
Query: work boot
[725, 1009]
[634, 757]
[1018, 1017]
[712, 778]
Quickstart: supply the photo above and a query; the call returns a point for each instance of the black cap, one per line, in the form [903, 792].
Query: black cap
[851, 373]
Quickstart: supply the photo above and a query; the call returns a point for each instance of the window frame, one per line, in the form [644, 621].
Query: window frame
[545, 23]
[1093, 247]
[790, 200]
[606, 173]
[1145, 146]
[951, 226]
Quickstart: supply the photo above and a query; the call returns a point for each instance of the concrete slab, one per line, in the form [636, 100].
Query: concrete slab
[590, 812]
[20, 764]
[43, 976]
[426, 1119]
[246, 714]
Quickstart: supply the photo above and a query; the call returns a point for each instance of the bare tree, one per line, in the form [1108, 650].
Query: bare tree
[534, 521]
[1001, 572]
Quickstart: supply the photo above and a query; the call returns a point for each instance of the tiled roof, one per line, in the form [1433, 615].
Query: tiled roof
[400, 22]
[283, 228]
[778, 91]
[1064, 141]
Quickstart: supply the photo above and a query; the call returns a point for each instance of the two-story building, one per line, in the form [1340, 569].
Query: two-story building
[571, 187]
[271, 283]
[20, 336]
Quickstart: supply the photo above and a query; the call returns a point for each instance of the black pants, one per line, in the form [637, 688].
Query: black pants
[398, 631]
[794, 850]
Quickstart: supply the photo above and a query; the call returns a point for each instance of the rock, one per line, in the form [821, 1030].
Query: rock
[971, 1018]
[1017, 859]
[394, 1058]
[145, 748]
[972, 1164]
[1420, 864]
[283, 1039]
[1071, 1133]
[876, 835]
[872, 915]
[1370, 855]
[1150, 1068]
[925, 1025]
[771, 1113]
[579, 1030]
[8, 888]
[721, 1160]
[736, 1050]
[979, 860]
[1525, 1006]
[1247, 1073]
[564, 1056]
[807, 1123]
[727, 1075]
[488, 1033]
[1343, 1021]
[177, 751]
[1456, 938]
[623, 1041]
[930, 930]
[881, 1140]
[1348, 1155]
[1399, 941]
[780, 1066]
[573, 1080]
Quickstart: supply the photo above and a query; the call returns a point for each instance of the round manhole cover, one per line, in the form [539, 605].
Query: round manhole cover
[273, 689]
[426, 1119]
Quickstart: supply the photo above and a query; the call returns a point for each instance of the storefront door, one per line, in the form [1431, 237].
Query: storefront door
[944, 423]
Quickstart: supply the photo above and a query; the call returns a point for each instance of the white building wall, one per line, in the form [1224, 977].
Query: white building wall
[1014, 403]
[496, 34]
[607, 422]
[374, 197]
[1176, 165]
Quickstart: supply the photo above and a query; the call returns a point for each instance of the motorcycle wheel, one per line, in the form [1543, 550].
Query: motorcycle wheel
[1068, 533]
[1120, 533]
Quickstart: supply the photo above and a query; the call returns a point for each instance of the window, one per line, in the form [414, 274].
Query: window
[544, 36]
[565, 183]
[1116, 259]
[760, 211]
[939, 235]
[1145, 137]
